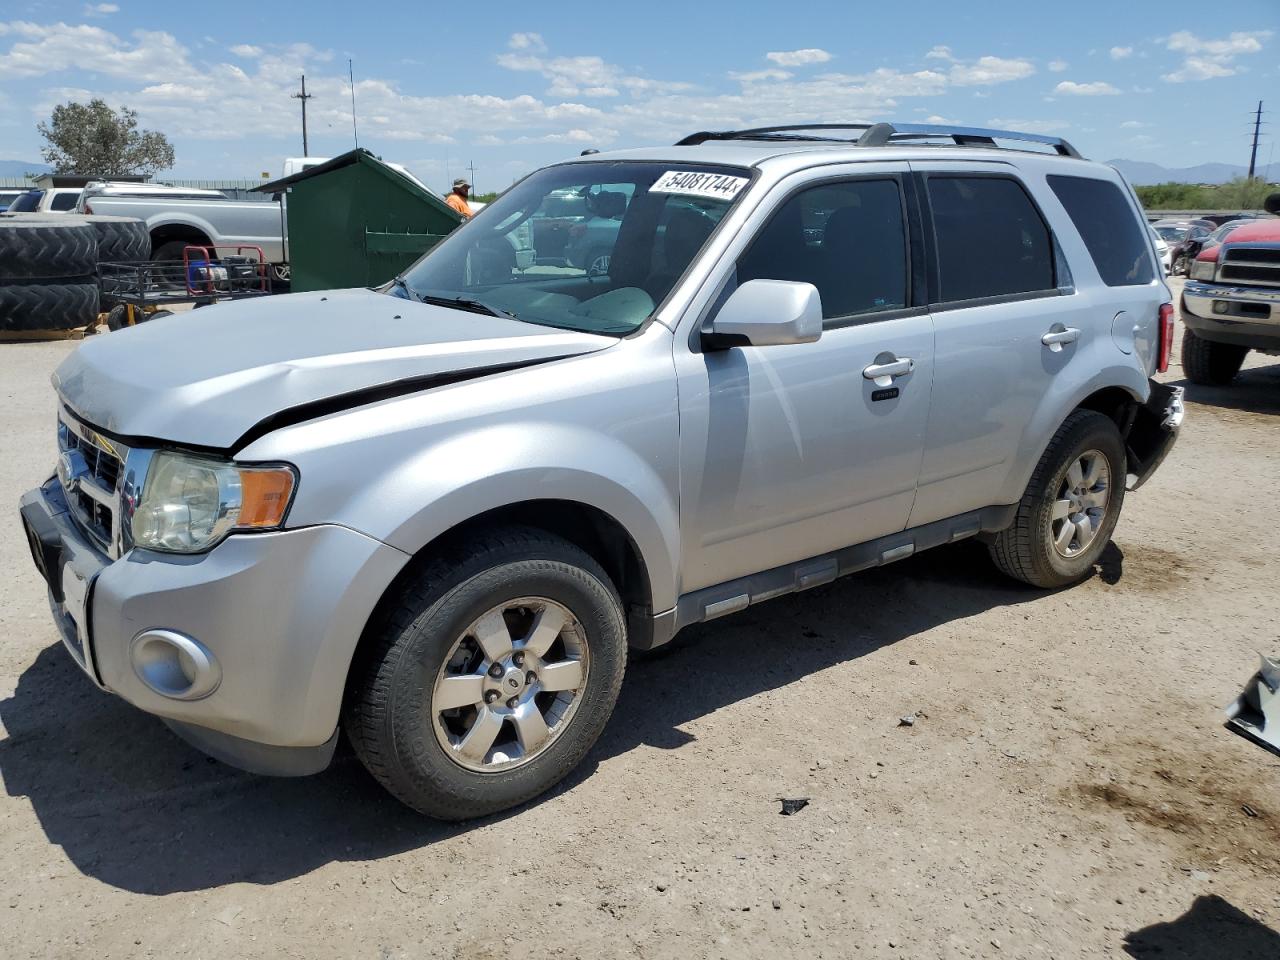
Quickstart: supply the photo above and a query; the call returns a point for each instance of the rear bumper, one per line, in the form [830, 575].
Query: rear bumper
[1154, 432]
[274, 617]
[1243, 315]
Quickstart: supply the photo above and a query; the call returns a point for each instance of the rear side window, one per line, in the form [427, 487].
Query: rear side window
[990, 238]
[64, 201]
[848, 239]
[1116, 240]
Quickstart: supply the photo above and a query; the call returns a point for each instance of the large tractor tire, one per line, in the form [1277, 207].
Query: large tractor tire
[26, 307]
[40, 249]
[120, 239]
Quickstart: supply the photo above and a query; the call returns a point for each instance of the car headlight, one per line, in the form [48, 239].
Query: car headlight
[191, 503]
[1203, 269]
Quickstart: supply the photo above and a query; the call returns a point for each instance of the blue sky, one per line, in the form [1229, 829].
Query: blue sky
[511, 86]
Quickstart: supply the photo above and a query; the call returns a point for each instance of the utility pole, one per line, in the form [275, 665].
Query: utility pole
[355, 134]
[304, 97]
[471, 165]
[1257, 125]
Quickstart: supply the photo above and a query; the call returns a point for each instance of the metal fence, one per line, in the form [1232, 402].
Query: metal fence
[18, 183]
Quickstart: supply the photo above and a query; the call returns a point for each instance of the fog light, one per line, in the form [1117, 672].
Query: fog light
[174, 665]
[1221, 306]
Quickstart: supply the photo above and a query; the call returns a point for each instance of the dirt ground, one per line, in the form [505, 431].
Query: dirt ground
[1067, 790]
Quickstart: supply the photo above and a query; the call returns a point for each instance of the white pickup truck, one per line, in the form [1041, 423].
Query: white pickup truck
[178, 216]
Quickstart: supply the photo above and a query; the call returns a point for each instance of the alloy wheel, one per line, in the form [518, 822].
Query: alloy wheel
[510, 684]
[1081, 504]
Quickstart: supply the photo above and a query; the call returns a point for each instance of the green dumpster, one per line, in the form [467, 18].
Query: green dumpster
[354, 221]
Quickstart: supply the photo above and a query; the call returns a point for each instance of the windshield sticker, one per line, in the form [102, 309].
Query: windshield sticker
[715, 186]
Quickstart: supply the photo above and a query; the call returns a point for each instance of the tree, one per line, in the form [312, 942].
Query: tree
[95, 140]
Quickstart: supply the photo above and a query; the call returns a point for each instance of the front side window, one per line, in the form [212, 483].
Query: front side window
[848, 239]
[1109, 228]
[590, 246]
[991, 240]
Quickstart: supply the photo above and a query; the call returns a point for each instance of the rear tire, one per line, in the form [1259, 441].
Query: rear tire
[1209, 363]
[1065, 519]
[430, 634]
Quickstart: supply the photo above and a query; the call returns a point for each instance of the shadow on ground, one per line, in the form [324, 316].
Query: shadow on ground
[135, 807]
[1256, 390]
[1211, 928]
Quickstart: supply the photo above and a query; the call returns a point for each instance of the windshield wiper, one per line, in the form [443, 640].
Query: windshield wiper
[468, 304]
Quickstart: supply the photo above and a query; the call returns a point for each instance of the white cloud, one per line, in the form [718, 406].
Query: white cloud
[986, 71]
[1120, 53]
[798, 58]
[585, 76]
[1028, 126]
[1058, 66]
[940, 52]
[1208, 59]
[755, 76]
[100, 9]
[527, 41]
[246, 50]
[1134, 125]
[1097, 88]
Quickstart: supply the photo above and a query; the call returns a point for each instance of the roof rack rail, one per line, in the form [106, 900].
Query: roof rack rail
[884, 134]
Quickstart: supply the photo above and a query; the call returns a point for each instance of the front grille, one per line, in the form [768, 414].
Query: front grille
[90, 472]
[1252, 265]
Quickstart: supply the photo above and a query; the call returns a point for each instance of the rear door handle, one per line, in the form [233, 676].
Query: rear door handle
[887, 371]
[1056, 339]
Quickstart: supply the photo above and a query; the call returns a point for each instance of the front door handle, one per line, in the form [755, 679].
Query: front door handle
[884, 372]
[1057, 338]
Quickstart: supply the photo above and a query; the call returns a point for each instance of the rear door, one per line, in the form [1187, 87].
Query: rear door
[1007, 322]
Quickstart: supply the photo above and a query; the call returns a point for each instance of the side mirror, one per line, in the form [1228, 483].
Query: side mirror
[766, 313]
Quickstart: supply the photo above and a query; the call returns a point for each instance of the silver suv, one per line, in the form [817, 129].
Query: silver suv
[436, 514]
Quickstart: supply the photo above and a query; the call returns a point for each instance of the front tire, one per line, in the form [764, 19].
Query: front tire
[1072, 503]
[491, 675]
[1209, 363]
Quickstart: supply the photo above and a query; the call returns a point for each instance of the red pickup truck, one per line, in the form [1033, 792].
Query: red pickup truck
[1231, 304]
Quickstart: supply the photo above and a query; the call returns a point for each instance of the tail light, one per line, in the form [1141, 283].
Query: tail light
[1166, 338]
[88, 209]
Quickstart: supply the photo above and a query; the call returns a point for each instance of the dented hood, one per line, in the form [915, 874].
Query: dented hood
[208, 377]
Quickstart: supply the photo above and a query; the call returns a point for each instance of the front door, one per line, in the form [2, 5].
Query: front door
[789, 452]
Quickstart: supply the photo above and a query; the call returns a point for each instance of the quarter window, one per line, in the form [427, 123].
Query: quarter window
[847, 239]
[1111, 231]
[990, 238]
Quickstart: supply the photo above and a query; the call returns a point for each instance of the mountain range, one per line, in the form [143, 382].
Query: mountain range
[1141, 173]
[20, 168]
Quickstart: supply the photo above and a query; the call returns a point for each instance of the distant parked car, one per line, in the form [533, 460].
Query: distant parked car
[1176, 233]
[1191, 248]
[7, 197]
[52, 200]
[1162, 249]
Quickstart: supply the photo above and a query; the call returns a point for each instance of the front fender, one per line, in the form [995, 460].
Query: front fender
[429, 491]
[509, 464]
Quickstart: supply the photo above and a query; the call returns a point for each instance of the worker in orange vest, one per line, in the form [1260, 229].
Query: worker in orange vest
[457, 199]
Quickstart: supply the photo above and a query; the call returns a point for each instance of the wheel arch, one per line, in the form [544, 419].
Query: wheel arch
[1116, 392]
[178, 230]
[588, 527]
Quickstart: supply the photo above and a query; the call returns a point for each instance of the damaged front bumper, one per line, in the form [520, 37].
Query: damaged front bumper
[1256, 713]
[1153, 432]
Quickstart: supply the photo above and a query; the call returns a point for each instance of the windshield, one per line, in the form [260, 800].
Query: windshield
[587, 246]
[1171, 234]
[27, 203]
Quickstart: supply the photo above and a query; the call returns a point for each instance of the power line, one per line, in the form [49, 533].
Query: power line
[304, 97]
